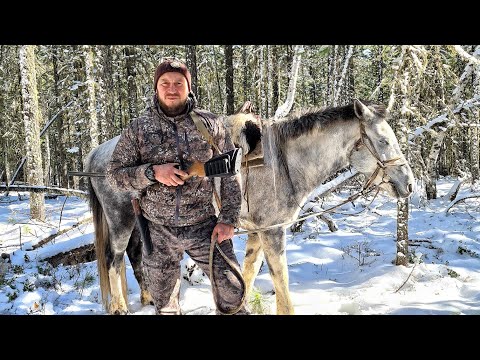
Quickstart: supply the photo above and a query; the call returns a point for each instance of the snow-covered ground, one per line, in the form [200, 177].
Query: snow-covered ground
[349, 271]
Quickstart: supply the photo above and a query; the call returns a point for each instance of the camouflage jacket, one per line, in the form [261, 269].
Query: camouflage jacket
[155, 138]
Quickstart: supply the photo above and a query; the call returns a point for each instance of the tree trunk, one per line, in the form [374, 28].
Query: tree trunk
[60, 153]
[229, 79]
[108, 79]
[191, 51]
[261, 74]
[32, 119]
[402, 233]
[47, 172]
[275, 77]
[245, 73]
[431, 178]
[268, 80]
[284, 109]
[328, 91]
[102, 103]
[339, 84]
[217, 75]
[130, 61]
[380, 66]
[92, 110]
[475, 119]
[6, 174]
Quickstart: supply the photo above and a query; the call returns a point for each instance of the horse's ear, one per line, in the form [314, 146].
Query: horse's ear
[362, 111]
[246, 108]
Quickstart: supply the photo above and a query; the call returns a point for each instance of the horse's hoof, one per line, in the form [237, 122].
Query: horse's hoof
[121, 312]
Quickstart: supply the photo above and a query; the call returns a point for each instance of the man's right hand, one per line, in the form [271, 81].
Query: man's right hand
[167, 174]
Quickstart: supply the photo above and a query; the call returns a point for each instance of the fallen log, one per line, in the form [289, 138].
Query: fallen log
[76, 256]
[463, 198]
[61, 232]
[50, 189]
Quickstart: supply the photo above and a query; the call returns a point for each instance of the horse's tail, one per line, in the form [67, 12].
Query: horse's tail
[101, 244]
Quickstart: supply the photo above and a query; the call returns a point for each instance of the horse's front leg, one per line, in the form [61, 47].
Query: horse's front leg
[274, 243]
[252, 262]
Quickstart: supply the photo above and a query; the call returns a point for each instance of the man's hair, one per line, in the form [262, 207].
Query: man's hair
[172, 65]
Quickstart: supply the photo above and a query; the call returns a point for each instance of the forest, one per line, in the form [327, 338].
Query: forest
[60, 101]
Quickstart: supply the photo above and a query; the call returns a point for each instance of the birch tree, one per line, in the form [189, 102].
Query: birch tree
[284, 109]
[339, 84]
[476, 93]
[31, 120]
[402, 81]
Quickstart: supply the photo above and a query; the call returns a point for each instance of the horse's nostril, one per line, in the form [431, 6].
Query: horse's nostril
[410, 188]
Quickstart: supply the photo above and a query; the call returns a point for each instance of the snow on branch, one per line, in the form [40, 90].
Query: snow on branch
[443, 118]
[462, 198]
[326, 188]
[475, 58]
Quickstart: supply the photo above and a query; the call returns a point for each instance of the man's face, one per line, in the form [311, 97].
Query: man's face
[172, 92]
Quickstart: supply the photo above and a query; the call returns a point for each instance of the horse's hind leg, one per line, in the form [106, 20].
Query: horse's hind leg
[118, 285]
[119, 238]
[273, 242]
[252, 262]
[134, 251]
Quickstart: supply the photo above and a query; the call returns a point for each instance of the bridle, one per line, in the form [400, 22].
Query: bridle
[381, 164]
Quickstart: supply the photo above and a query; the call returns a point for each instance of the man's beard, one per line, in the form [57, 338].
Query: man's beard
[172, 110]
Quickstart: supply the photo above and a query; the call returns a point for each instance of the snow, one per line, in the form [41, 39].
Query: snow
[347, 272]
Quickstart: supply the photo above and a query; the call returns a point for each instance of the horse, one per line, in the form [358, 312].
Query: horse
[299, 152]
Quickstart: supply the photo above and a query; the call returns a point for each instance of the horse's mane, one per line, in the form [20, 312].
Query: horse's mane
[308, 120]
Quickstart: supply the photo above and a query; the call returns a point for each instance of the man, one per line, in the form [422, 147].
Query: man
[152, 155]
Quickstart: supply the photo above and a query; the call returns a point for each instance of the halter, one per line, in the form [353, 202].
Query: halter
[381, 164]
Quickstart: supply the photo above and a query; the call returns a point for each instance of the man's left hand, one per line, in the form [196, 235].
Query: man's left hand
[223, 231]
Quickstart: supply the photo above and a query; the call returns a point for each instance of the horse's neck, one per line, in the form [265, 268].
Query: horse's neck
[314, 157]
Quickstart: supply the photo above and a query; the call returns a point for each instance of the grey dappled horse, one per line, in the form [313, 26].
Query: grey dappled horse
[300, 154]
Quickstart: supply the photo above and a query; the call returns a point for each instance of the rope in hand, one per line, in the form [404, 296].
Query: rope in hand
[214, 244]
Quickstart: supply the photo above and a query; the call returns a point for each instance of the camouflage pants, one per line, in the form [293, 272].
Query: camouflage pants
[162, 267]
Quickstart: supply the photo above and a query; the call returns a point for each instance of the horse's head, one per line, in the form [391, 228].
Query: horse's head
[378, 155]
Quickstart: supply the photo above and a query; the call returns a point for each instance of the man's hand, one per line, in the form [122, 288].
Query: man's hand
[223, 231]
[167, 174]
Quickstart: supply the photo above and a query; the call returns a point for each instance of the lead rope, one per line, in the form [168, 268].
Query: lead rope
[233, 266]
[245, 193]
[235, 270]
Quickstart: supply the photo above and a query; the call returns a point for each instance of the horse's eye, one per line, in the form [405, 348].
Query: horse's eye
[384, 141]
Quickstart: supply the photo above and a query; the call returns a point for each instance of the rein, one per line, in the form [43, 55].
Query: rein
[214, 244]
[364, 191]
